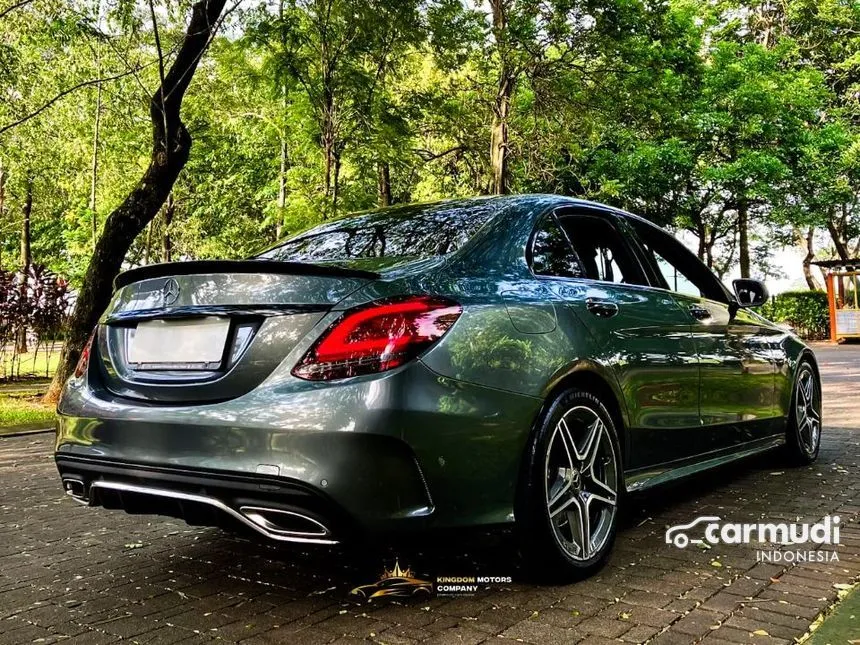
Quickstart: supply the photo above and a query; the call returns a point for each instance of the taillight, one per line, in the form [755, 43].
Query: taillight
[378, 337]
[84, 360]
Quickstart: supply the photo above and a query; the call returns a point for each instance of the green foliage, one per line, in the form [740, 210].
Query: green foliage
[804, 311]
[678, 110]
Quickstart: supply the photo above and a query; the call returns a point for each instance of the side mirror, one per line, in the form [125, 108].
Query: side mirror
[750, 293]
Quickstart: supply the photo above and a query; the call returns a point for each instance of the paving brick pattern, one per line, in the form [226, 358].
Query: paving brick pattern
[93, 576]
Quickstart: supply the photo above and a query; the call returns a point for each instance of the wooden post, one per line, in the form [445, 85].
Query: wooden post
[831, 302]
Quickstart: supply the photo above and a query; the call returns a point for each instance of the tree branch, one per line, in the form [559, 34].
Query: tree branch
[12, 8]
[427, 155]
[66, 92]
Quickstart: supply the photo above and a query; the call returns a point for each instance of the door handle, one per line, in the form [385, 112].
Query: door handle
[699, 312]
[601, 308]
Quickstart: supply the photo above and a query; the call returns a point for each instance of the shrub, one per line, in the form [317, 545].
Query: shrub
[806, 312]
[31, 314]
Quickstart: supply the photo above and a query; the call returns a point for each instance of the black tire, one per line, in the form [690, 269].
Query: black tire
[803, 431]
[547, 552]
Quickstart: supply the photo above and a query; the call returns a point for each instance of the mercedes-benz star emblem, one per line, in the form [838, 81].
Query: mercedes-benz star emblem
[170, 292]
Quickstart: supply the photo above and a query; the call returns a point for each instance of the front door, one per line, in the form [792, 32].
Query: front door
[736, 368]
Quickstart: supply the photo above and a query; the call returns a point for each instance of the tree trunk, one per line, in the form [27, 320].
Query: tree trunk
[282, 188]
[499, 136]
[328, 160]
[807, 260]
[26, 260]
[743, 237]
[171, 144]
[335, 191]
[728, 259]
[166, 242]
[147, 249]
[384, 184]
[26, 238]
[95, 163]
[96, 134]
[701, 233]
[2, 202]
[837, 236]
[282, 176]
[499, 141]
[709, 250]
[329, 133]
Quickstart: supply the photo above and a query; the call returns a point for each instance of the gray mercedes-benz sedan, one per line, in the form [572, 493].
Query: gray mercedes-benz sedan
[519, 360]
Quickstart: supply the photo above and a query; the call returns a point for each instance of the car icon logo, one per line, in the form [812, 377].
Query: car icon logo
[170, 292]
[676, 534]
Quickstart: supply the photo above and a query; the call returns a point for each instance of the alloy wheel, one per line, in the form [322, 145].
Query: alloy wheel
[581, 483]
[807, 410]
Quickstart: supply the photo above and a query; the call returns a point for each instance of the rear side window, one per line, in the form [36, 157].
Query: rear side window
[409, 232]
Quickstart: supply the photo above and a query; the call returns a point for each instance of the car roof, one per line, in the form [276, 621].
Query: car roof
[498, 246]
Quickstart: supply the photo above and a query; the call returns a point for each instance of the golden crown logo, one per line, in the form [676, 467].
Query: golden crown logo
[396, 572]
[395, 583]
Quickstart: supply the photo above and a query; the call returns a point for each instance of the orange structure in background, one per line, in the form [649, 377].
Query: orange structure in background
[843, 295]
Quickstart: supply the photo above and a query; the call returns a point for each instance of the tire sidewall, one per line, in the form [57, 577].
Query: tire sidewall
[532, 514]
[795, 440]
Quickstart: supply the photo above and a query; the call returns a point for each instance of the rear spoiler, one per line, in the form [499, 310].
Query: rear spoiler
[237, 266]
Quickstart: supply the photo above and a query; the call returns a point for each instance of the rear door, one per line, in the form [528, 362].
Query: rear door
[641, 333]
[737, 369]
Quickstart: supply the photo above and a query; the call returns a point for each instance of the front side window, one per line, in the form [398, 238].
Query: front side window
[675, 265]
[672, 277]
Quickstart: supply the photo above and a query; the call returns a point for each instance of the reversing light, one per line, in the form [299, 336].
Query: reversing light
[378, 337]
[84, 360]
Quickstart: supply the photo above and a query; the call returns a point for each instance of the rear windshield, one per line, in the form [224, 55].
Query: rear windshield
[407, 232]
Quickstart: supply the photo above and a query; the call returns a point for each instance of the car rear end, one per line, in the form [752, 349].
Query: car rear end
[269, 394]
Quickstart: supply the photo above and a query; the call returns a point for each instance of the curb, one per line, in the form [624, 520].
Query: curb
[24, 433]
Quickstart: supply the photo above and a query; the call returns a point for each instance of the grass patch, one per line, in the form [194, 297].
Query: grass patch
[841, 624]
[37, 364]
[22, 409]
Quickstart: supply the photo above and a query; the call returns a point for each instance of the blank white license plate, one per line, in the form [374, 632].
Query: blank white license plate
[195, 341]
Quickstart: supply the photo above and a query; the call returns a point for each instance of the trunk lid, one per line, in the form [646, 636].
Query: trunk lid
[211, 331]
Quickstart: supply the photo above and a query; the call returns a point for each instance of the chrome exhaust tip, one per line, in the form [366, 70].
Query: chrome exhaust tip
[75, 489]
[286, 523]
[275, 524]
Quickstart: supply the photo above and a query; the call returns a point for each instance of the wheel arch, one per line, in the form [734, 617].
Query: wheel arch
[600, 382]
[591, 378]
[805, 354]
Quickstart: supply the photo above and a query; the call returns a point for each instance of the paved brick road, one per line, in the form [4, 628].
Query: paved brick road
[97, 577]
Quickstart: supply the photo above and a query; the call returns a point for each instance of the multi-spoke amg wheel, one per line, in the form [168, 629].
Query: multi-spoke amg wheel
[806, 410]
[581, 482]
[567, 509]
[803, 434]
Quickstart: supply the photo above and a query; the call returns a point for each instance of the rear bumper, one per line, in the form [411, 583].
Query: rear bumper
[276, 509]
[387, 491]
[406, 451]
